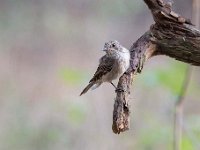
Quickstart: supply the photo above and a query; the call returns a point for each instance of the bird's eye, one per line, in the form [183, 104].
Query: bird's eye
[113, 45]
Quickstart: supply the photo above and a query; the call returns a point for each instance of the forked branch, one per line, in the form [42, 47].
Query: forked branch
[171, 35]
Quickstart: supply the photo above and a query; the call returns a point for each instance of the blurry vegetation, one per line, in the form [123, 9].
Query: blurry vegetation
[170, 77]
[71, 76]
[76, 114]
[155, 137]
[187, 144]
[39, 112]
[121, 8]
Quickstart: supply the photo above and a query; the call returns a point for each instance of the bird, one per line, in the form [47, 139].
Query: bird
[111, 66]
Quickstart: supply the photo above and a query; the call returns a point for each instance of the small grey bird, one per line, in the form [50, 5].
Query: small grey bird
[111, 66]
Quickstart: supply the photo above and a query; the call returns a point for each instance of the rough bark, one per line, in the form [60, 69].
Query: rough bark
[171, 35]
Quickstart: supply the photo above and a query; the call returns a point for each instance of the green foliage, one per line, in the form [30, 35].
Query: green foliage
[169, 77]
[172, 78]
[71, 76]
[76, 114]
[154, 136]
[192, 130]
[187, 144]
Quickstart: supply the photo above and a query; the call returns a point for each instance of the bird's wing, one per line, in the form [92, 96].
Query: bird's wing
[105, 65]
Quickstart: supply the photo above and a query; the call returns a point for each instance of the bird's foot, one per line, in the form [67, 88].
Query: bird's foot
[119, 90]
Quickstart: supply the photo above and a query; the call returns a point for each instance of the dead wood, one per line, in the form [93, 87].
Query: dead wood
[172, 35]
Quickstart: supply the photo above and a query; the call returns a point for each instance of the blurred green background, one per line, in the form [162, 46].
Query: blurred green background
[49, 49]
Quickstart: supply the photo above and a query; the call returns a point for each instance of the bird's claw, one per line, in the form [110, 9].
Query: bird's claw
[119, 90]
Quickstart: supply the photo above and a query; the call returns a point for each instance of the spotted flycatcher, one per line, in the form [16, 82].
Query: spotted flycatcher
[111, 66]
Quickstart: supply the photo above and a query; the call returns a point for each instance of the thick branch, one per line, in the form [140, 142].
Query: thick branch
[140, 51]
[181, 42]
[171, 35]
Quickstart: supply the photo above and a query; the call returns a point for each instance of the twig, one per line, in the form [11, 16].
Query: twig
[179, 106]
[178, 118]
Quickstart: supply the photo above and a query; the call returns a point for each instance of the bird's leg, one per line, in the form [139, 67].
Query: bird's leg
[113, 85]
[117, 89]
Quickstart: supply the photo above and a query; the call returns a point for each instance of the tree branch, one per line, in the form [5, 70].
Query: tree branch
[141, 50]
[171, 35]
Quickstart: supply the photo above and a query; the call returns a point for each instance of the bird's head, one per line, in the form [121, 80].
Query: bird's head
[113, 47]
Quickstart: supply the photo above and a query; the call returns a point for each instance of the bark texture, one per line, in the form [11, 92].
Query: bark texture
[171, 35]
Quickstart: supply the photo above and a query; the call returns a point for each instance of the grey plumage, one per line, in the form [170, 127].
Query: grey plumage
[111, 66]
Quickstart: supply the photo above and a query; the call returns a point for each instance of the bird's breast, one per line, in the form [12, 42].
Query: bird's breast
[123, 65]
[120, 66]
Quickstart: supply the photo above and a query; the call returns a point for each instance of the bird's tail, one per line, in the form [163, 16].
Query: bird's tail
[87, 88]
[91, 86]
